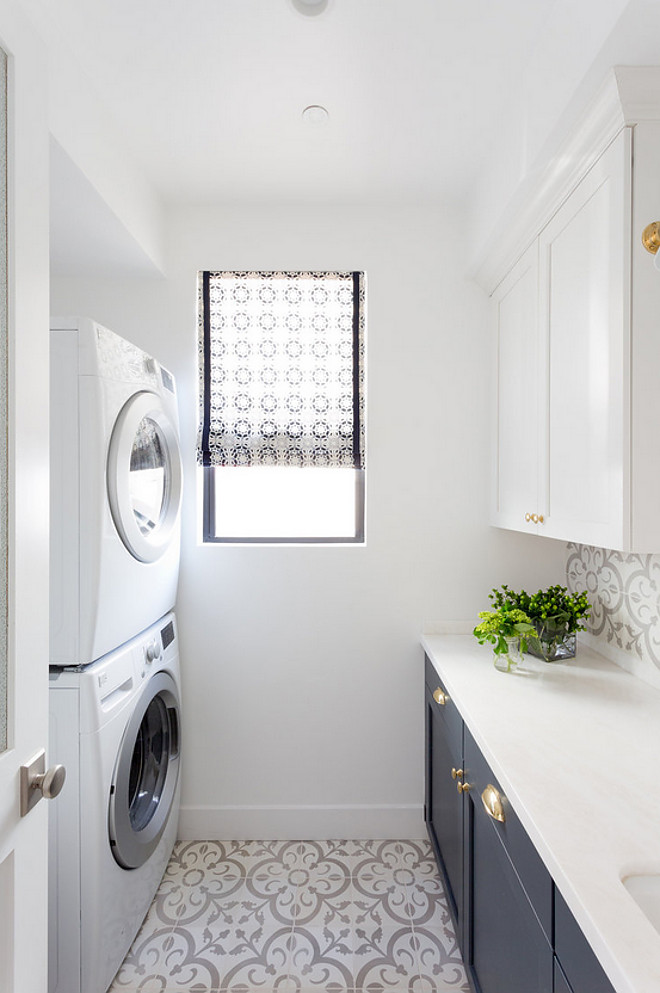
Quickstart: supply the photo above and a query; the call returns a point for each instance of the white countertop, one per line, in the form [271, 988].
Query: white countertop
[576, 748]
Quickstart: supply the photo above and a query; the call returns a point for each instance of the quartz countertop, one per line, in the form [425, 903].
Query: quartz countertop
[576, 748]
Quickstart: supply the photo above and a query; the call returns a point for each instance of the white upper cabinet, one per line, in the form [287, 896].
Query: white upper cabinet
[585, 340]
[576, 453]
[515, 424]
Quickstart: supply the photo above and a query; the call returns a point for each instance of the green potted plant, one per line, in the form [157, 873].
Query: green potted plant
[556, 615]
[507, 630]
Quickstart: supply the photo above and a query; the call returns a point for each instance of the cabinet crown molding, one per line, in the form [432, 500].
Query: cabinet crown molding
[628, 96]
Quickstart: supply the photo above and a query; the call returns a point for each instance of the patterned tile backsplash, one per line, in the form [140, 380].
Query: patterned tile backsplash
[297, 917]
[624, 591]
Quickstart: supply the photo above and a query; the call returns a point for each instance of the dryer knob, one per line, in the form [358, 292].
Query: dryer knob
[152, 651]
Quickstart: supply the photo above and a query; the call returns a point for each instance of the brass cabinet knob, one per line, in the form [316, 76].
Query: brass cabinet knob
[440, 697]
[536, 518]
[492, 801]
[456, 773]
[651, 237]
[528, 517]
[463, 787]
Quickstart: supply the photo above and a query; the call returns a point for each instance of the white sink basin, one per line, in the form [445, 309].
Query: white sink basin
[644, 888]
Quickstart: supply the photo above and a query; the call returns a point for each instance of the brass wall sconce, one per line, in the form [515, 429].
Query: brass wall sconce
[651, 241]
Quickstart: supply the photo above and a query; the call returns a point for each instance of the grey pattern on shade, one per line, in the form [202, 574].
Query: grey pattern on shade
[297, 917]
[624, 590]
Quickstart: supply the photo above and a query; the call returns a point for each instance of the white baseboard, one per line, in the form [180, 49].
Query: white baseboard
[313, 823]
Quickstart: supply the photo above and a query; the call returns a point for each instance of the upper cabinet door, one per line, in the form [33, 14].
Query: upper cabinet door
[518, 390]
[584, 254]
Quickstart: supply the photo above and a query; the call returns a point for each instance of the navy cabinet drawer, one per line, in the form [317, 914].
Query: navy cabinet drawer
[446, 710]
[579, 963]
[533, 875]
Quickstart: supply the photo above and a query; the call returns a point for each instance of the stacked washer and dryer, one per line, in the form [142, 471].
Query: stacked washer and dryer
[114, 675]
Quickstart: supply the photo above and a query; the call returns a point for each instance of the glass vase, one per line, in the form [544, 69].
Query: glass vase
[507, 661]
[552, 642]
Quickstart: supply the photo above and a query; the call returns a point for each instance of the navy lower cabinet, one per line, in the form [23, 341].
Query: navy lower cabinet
[580, 970]
[444, 805]
[561, 982]
[515, 931]
[507, 942]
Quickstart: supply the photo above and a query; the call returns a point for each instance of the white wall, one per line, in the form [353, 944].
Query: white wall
[302, 669]
[86, 137]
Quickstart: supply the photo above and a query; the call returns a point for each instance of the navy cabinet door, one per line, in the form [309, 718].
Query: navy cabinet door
[561, 983]
[444, 807]
[506, 948]
[578, 962]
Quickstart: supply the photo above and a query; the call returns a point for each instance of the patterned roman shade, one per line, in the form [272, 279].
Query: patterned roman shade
[281, 357]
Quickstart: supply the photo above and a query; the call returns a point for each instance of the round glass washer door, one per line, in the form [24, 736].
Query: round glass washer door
[146, 774]
[144, 477]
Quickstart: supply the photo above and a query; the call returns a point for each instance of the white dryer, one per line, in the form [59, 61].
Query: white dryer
[115, 725]
[115, 491]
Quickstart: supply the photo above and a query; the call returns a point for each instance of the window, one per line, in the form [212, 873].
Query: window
[281, 437]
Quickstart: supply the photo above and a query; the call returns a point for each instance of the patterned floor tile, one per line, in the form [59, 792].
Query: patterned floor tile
[231, 858]
[319, 906]
[427, 903]
[386, 959]
[165, 959]
[382, 894]
[438, 986]
[297, 917]
[229, 959]
[440, 963]
[350, 856]
[270, 905]
[417, 856]
[332, 857]
[191, 861]
[397, 854]
[325, 875]
[322, 959]
[254, 959]
[182, 904]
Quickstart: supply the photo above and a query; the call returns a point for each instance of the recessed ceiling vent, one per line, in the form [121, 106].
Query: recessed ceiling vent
[310, 8]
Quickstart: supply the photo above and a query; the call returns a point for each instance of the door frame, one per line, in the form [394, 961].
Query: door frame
[23, 840]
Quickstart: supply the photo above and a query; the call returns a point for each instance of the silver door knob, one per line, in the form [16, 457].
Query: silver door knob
[36, 782]
[51, 782]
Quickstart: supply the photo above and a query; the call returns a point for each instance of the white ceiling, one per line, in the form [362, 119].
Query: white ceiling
[209, 93]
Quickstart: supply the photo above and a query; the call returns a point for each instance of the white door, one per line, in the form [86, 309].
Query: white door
[24, 500]
[518, 396]
[585, 272]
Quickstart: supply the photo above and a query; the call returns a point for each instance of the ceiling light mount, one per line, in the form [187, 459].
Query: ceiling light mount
[310, 8]
[315, 116]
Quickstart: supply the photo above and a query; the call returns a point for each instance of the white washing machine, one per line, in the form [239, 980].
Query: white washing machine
[116, 486]
[115, 726]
